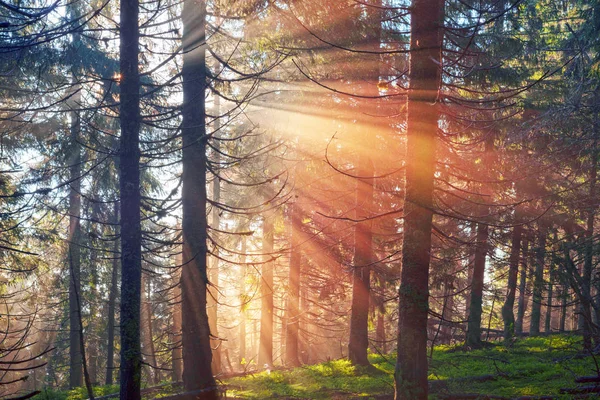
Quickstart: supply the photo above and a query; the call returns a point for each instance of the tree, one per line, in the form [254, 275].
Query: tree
[130, 200]
[197, 355]
[427, 28]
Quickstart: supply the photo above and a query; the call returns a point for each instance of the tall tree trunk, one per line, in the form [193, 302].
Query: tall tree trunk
[213, 297]
[293, 292]
[538, 283]
[147, 333]
[410, 376]
[508, 309]
[265, 353]
[112, 300]
[94, 317]
[564, 293]
[129, 175]
[361, 273]
[470, 269]
[589, 233]
[197, 354]
[176, 355]
[476, 308]
[447, 310]
[548, 321]
[243, 305]
[74, 262]
[380, 330]
[522, 290]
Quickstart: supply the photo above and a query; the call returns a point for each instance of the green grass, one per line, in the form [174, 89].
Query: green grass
[530, 367]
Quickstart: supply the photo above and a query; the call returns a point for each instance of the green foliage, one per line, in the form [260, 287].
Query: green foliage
[76, 394]
[321, 381]
[529, 367]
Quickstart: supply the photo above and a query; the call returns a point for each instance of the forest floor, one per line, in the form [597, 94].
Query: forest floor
[533, 367]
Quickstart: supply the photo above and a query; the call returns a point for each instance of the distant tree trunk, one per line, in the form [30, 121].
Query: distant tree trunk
[447, 310]
[147, 334]
[176, 353]
[410, 376]
[243, 305]
[197, 354]
[213, 297]
[129, 180]
[476, 308]
[74, 262]
[522, 290]
[293, 299]
[112, 300]
[265, 353]
[507, 310]
[94, 317]
[538, 283]
[548, 321]
[361, 273]
[380, 330]
[589, 232]
[470, 269]
[564, 294]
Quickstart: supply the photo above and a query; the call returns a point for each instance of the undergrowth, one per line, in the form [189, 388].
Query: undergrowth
[528, 367]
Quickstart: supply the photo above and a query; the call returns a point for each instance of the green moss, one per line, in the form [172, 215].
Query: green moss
[525, 367]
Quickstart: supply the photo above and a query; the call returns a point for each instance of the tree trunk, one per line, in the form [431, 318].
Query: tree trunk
[112, 300]
[147, 334]
[129, 175]
[361, 273]
[265, 353]
[197, 354]
[213, 296]
[548, 321]
[74, 262]
[564, 293]
[538, 283]
[447, 310]
[293, 299]
[410, 376]
[243, 306]
[589, 233]
[508, 309]
[176, 356]
[522, 290]
[92, 328]
[380, 330]
[476, 308]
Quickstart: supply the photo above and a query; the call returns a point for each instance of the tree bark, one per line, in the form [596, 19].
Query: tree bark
[447, 310]
[112, 300]
[74, 262]
[522, 290]
[361, 273]
[176, 355]
[508, 309]
[548, 321]
[129, 175]
[197, 354]
[538, 284]
[243, 305]
[213, 298]
[410, 376]
[293, 300]
[265, 353]
[476, 308]
[147, 334]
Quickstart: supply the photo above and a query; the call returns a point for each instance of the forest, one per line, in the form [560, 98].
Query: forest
[299, 199]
